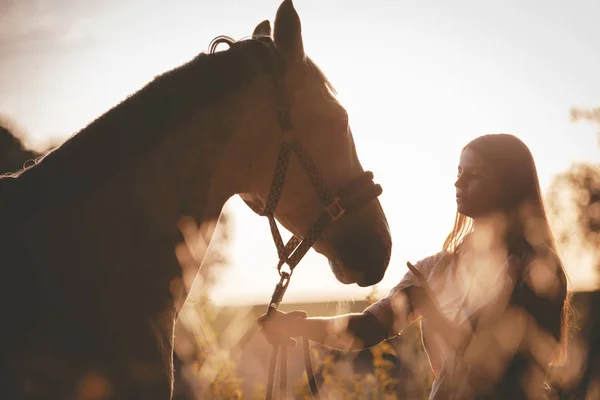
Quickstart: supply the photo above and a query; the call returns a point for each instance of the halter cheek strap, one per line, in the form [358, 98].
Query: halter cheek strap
[353, 196]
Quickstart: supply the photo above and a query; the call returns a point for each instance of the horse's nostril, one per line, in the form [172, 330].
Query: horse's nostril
[365, 252]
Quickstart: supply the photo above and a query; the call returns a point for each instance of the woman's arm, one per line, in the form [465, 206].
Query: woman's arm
[347, 332]
[380, 321]
[423, 301]
[355, 331]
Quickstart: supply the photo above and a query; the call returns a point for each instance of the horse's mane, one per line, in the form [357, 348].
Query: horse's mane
[13, 154]
[130, 128]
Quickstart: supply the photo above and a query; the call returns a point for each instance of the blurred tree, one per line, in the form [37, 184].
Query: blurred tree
[592, 115]
[13, 154]
[574, 206]
[574, 201]
[574, 198]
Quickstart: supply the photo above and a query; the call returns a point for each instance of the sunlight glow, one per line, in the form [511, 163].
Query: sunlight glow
[417, 85]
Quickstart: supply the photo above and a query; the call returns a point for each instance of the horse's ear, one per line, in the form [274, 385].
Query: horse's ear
[262, 29]
[288, 32]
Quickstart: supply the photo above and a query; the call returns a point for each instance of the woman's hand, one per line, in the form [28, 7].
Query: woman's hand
[281, 327]
[424, 300]
[421, 296]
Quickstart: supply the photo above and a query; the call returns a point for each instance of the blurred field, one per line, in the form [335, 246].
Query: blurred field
[394, 369]
[218, 366]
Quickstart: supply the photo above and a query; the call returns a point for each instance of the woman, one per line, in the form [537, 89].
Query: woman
[492, 303]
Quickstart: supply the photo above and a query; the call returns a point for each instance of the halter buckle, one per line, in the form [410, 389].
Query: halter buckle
[335, 210]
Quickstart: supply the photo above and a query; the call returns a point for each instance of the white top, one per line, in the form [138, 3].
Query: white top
[462, 286]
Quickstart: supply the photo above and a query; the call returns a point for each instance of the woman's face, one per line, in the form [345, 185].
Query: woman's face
[478, 188]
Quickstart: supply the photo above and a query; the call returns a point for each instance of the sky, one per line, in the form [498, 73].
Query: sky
[419, 79]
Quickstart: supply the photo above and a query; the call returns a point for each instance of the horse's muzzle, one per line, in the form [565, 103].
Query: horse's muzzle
[362, 256]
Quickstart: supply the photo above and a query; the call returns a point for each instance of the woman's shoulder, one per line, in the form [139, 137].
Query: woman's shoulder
[428, 264]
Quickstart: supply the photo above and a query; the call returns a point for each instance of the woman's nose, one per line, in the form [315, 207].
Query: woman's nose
[458, 183]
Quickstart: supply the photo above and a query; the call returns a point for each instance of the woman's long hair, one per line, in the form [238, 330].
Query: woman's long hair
[528, 235]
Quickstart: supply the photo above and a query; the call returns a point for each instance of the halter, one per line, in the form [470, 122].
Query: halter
[354, 195]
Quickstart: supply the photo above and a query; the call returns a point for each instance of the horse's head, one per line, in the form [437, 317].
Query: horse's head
[358, 245]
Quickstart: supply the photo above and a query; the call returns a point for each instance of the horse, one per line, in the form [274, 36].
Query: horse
[88, 233]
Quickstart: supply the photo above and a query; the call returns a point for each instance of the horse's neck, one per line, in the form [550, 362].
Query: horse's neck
[125, 230]
[104, 262]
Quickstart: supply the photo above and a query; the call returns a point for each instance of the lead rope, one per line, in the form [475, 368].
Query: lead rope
[292, 252]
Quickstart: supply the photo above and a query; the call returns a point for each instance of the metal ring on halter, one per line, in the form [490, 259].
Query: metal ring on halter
[282, 272]
[335, 210]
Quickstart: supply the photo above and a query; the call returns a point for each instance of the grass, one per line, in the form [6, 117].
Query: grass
[215, 369]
